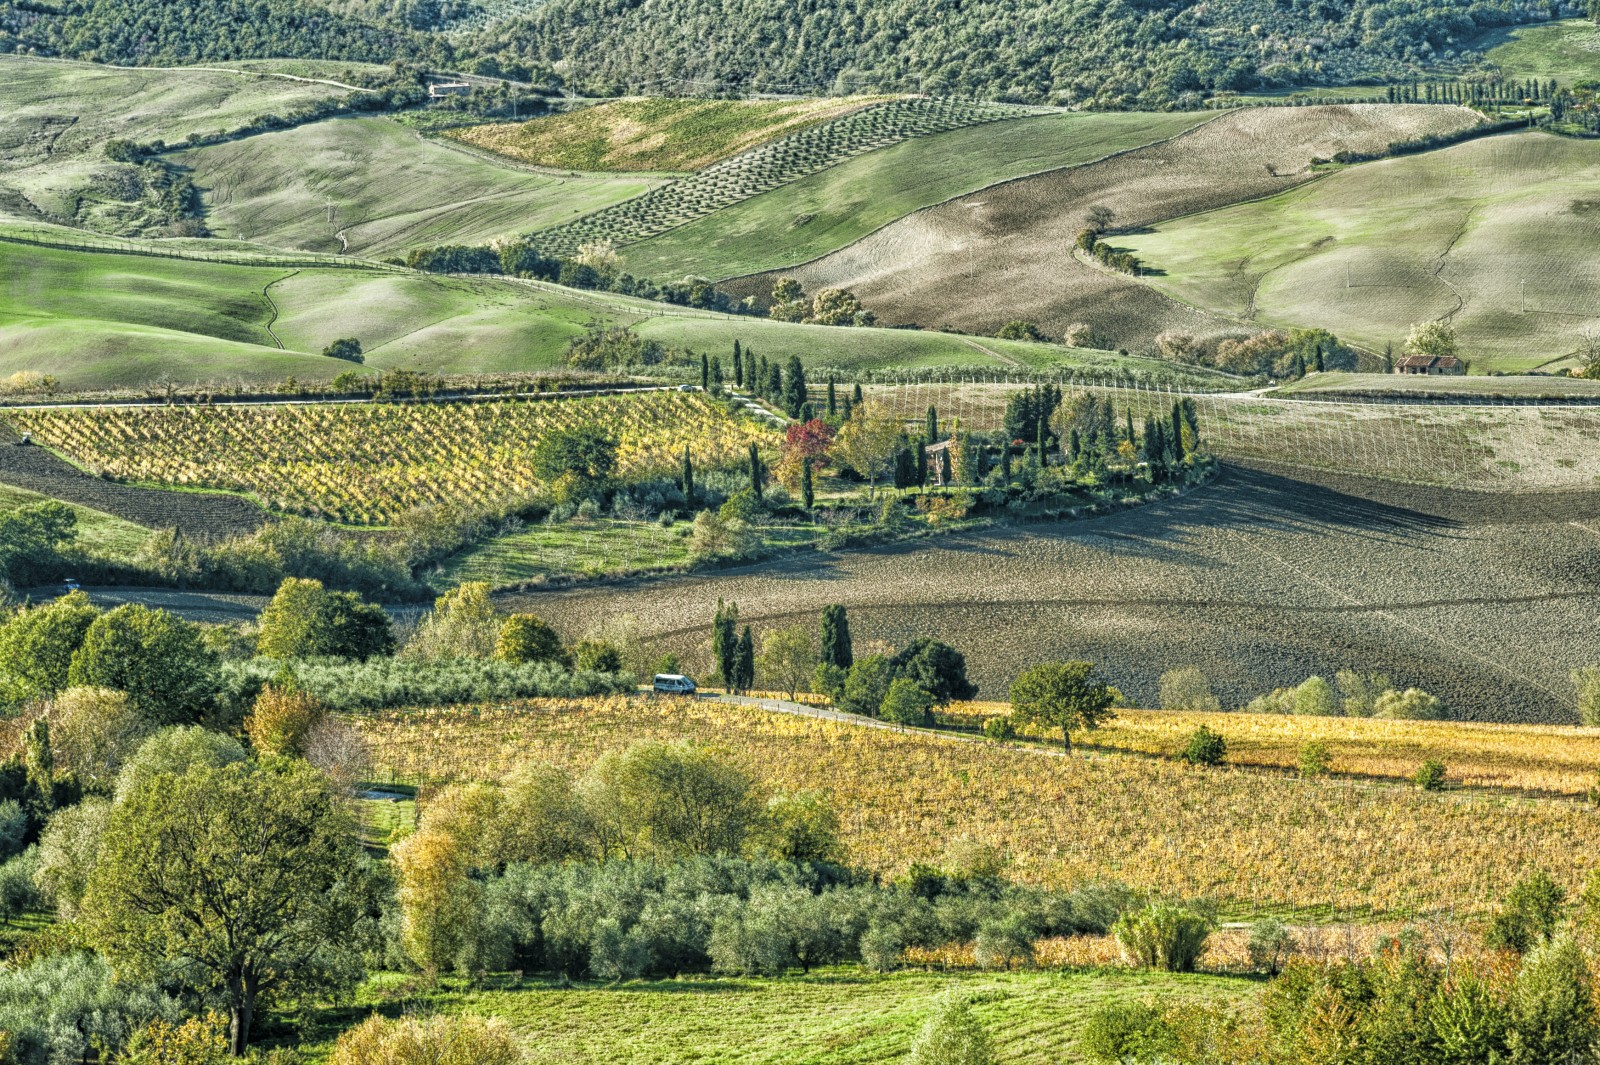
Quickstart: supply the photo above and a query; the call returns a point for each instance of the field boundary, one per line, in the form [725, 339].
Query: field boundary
[216, 258]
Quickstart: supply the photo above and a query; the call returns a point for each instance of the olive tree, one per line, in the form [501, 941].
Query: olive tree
[1063, 695]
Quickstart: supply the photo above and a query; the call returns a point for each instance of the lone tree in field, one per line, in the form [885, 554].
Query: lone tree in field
[348, 349]
[1063, 695]
[837, 647]
[788, 657]
[576, 462]
[1432, 338]
[252, 877]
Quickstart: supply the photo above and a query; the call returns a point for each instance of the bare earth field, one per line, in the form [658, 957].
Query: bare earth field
[1257, 579]
[941, 267]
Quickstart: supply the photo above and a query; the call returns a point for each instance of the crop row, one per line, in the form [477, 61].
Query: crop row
[770, 166]
[1248, 839]
[368, 463]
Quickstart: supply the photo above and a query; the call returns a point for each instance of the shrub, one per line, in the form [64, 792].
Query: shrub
[449, 1040]
[305, 620]
[197, 1041]
[597, 656]
[18, 892]
[1205, 747]
[1430, 775]
[281, 719]
[907, 703]
[1187, 689]
[1412, 705]
[1163, 936]
[528, 638]
[1122, 1032]
[1529, 915]
[1315, 697]
[1271, 942]
[1315, 761]
[384, 682]
[464, 624]
[36, 646]
[952, 1036]
[999, 729]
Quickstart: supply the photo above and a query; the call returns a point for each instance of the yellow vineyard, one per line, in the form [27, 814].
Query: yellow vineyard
[366, 463]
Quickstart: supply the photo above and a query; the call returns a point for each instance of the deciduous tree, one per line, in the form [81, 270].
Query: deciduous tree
[1063, 695]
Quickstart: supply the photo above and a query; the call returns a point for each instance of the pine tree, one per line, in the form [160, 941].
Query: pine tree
[705, 373]
[837, 647]
[807, 489]
[757, 474]
[933, 424]
[738, 366]
[747, 661]
[686, 480]
[833, 400]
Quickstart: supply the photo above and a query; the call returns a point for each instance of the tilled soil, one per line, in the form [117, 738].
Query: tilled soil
[1259, 580]
[204, 515]
[1006, 252]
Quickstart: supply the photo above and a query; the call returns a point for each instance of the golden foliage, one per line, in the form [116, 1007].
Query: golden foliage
[1239, 836]
[445, 1040]
[280, 721]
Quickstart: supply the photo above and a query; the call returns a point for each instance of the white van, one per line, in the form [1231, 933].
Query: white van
[674, 684]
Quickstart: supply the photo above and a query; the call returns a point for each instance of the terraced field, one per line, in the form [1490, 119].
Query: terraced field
[368, 186]
[1006, 252]
[1496, 236]
[661, 134]
[825, 211]
[774, 164]
[58, 114]
[1259, 580]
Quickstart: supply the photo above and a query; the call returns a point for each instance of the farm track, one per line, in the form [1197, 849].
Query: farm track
[266, 294]
[200, 515]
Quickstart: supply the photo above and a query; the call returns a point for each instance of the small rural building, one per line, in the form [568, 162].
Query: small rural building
[437, 89]
[1430, 364]
[939, 458]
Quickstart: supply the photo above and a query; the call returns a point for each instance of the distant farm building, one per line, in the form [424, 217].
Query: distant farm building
[1430, 364]
[939, 459]
[438, 89]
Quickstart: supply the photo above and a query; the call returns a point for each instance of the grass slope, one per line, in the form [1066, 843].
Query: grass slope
[1567, 50]
[104, 534]
[826, 211]
[1496, 236]
[659, 134]
[384, 188]
[153, 320]
[59, 114]
[830, 1017]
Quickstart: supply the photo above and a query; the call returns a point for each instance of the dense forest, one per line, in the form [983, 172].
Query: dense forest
[1115, 53]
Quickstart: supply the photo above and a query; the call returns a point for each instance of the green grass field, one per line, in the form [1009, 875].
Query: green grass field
[1567, 50]
[1332, 385]
[832, 1017]
[153, 321]
[101, 533]
[838, 206]
[654, 134]
[1497, 235]
[386, 189]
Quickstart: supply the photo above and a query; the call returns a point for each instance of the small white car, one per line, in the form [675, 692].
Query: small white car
[674, 684]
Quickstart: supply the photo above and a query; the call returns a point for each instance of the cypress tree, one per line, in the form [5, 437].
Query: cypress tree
[855, 395]
[1177, 431]
[849, 408]
[807, 412]
[1005, 461]
[738, 366]
[794, 390]
[945, 476]
[747, 660]
[705, 373]
[725, 642]
[1039, 442]
[760, 383]
[757, 479]
[686, 481]
[716, 374]
[1130, 424]
[1075, 447]
[808, 494]
[922, 465]
[837, 647]
[775, 383]
[933, 424]
[833, 400]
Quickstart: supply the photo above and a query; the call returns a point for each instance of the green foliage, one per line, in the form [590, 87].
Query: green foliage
[1413, 704]
[465, 623]
[66, 1007]
[952, 1036]
[1270, 945]
[1127, 1033]
[444, 1040]
[37, 645]
[671, 801]
[866, 685]
[1529, 915]
[907, 703]
[94, 731]
[1430, 775]
[999, 729]
[837, 646]
[1163, 936]
[160, 660]
[68, 851]
[597, 656]
[788, 657]
[1585, 681]
[348, 349]
[173, 752]
[1314, 760]
[252, 875]
[305, 620]
[576, 462]
[801, 827]
[391, 682]
[1061, 695]
[937, 668]
[526, 638]
[33, 539]
[1204, 747]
